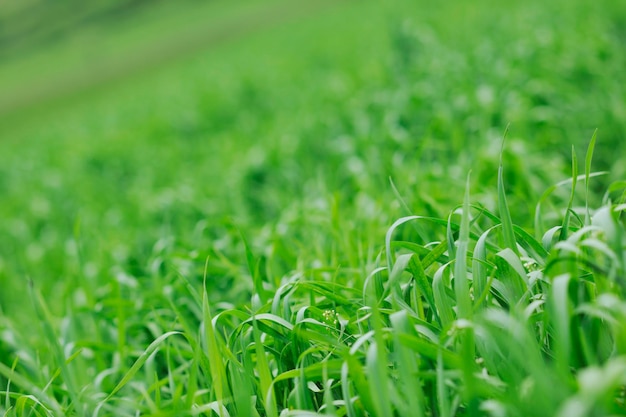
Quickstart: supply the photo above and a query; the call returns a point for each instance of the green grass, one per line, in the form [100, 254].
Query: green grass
[321, 216]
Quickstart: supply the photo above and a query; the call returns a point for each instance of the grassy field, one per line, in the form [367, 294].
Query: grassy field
[272, 208]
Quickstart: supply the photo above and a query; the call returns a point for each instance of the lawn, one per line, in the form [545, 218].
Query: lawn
[351, 208]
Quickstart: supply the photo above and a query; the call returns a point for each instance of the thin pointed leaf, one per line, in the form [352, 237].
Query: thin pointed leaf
[588, 158]
[461, 283]
[503, 208]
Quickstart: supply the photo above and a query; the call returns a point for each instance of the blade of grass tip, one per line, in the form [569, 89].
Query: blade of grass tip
[253, 267]
[503, 208]
[218, 372]
[538, 218]
[199, 358]
[372, 287]
[405, 206]
[403, 203]
[389, 235]
[570, 203]
[588, 158]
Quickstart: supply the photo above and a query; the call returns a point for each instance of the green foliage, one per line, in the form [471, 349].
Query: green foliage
[296, 233]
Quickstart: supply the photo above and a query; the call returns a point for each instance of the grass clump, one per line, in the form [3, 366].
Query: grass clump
[219, 236]
[484, 319]
[465, 325]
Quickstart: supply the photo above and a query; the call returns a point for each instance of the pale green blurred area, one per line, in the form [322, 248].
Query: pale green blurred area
[51, 50]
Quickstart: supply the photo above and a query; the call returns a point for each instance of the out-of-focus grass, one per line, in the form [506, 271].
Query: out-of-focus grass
[218, 234]
[115, 44]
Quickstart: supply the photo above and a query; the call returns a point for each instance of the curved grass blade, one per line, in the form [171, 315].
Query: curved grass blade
[479, 271]
[538, 218]
[421, 281]
[140, 362]
[389, 235]
[401, 264]
[512, 273]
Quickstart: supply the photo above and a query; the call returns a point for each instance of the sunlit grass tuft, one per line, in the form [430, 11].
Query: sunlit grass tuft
[222, 239]
[489, 331]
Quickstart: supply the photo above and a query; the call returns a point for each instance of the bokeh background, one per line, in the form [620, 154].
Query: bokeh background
[139, 137]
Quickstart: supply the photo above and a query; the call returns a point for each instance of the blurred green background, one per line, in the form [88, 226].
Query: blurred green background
[138, 137]
[50, 50]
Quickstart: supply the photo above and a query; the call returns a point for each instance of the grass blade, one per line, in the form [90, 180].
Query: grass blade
[43, 315]
[214, 353]
[479, 271]
[23, 382]
[570, 203]
[503, 208]
[265, 374]
[461, 283]
[588, 158]
[561, 318]
[442, 300]
[141, 360]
